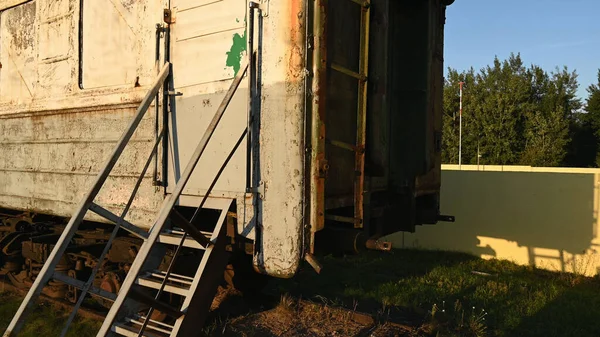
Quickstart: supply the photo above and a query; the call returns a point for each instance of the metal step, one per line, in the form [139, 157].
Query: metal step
[137, 294]
[176, 284]
[131, 327]
[189, 228]
[199, 291]
[87, 204]
[181, 278]
[173, 237]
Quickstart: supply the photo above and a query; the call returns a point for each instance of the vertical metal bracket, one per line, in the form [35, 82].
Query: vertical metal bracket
[264, 8]
[312, 260]
[323, 167]
[169, 16]
[259, 190]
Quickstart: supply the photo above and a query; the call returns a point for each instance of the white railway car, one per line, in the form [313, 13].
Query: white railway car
[337, 144]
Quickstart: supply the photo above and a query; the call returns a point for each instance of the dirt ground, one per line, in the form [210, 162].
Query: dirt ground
[291, 317]
[233, 314]
[402, 293]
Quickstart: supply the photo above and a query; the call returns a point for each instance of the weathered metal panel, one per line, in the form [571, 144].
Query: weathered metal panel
[4, 4]
[409, 68]
[404, 111]
[18, 54]
[40, 49]
[117, 41]
[208, 42]
[202, 37]
[55, 28]
[378, 127]
[55, 135]
[282, 140]
[316, 132]
[430, 182]
[47, 162]
[55, 58]
[343, 37]
[194, 112]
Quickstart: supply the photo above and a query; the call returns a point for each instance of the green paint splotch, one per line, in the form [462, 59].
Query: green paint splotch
[234, 55]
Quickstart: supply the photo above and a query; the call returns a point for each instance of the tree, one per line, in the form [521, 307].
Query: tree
[502, 95]
[553, 103]
[547, 137]
[584, 145]
[512, 114]
[593, 106]
[591, 123]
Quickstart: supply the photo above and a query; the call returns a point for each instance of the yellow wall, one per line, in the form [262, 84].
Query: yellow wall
[544, 217]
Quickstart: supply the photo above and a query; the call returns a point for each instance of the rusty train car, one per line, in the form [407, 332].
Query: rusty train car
[346, 132]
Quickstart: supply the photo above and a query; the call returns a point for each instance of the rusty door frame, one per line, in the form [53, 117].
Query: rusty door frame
[318, 161]
[318, 164]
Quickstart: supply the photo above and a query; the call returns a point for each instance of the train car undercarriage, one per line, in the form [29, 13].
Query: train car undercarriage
[26, 240]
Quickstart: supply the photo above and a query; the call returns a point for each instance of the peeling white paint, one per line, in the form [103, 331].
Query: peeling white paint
[281, 140]
[54, 136]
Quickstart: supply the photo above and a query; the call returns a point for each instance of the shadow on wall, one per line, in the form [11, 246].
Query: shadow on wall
[543, 217]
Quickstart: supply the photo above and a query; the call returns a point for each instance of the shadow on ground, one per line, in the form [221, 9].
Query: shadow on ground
[494, 298]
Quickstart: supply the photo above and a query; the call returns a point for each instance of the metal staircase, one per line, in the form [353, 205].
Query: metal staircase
[197, 291]
[144, 285]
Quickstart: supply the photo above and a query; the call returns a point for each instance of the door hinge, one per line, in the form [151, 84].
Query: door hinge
[168, 16]
[264, 8]
[323, 166]
[259, 190]
[174, 93]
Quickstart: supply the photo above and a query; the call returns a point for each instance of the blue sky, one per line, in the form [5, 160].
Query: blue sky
[548, 33]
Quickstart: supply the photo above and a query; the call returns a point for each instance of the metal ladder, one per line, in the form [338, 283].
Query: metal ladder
[198, 290]
[361, 116]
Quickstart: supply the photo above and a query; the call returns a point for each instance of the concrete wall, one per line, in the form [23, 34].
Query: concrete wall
[543, 217]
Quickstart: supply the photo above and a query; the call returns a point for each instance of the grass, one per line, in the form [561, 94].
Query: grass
[45, 320]
[455, 294]
[438, 293]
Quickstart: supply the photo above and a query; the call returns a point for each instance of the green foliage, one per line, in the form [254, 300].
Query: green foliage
[584, 144]
[45, 319]
[592, 121]
[593, 106]
[457, 321]
[479, 297]
[512, 115]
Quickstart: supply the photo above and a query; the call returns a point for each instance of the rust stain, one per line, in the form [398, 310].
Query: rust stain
[318, 120]
[295, 62]
[295, 14]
